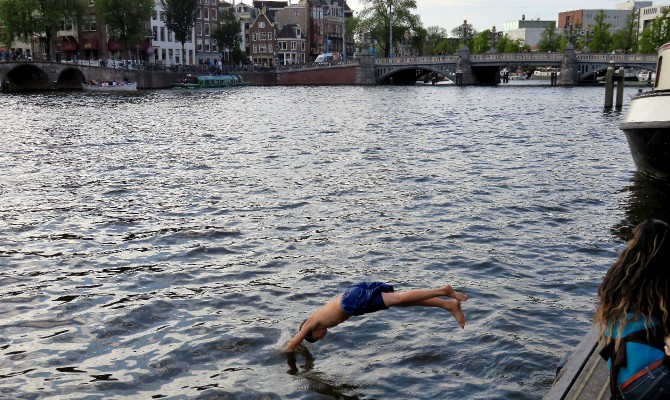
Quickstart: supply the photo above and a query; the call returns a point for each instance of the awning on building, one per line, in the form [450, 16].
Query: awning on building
[68, 43]
[89, 43]
[144, 46]
[114, 45]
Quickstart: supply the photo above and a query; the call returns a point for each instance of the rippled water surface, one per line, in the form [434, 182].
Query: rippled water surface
[166, 244]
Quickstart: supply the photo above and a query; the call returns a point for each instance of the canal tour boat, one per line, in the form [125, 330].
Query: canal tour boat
[210, 81]
[94, 86]
[647, 124]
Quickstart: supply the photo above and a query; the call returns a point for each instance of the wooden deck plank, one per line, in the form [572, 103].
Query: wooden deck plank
[584, 375]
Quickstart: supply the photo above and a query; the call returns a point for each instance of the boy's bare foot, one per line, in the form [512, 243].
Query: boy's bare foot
[454, 308]
[450, 292]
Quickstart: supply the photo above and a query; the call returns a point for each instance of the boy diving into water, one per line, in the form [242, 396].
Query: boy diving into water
[368, 297]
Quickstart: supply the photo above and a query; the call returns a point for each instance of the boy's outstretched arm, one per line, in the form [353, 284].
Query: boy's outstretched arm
[299, 337]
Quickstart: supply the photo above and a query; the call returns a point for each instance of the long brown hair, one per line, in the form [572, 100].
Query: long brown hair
[639, 281]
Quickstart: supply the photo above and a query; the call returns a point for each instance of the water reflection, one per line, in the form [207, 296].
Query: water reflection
[646, 198]
[292, 361]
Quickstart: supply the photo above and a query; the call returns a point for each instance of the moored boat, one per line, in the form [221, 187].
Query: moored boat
[647, 124]
[545, 73]
[110, 86]
[210, 81]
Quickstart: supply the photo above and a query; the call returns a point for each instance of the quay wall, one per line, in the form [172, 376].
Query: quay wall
[335, 75]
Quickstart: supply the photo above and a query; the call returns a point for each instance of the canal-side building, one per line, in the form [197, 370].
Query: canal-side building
[528, 30]
[167, 50]
[263, 41]
[291, 45]
[206, 49]
[648, 14]
[617, 18]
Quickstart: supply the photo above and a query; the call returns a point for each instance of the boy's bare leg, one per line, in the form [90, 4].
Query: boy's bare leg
[453, 306]
[412, 297]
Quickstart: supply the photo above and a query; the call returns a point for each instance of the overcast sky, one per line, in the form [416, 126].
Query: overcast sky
[484, 14]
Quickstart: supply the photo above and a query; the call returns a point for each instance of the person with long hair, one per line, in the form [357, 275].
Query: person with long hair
[633, 315]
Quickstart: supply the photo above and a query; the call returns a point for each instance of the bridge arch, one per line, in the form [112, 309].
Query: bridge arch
[70, 78]
[26, 77]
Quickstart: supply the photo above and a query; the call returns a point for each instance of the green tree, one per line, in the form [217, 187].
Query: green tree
[126, 20]
[626, 38]
[377, 14]
[482, 42]
[656, 34]
[228, 34]
[550, 40]
[180, 18]
[506, 45]
[25, 19]
[434, 36]
[601, 42]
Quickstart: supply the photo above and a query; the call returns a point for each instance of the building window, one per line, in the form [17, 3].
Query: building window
[154, 15]
[198, 45]
[198, 29]
[254, 37]
[302, 45]
[261, 25]
[65, 25]
[88, 23]
[155, 32]
[263, 36]
[270, 48]
[262, 49]
[255, 49]
[162, 14]
[206, 29]
[169, 36]
[162, 33]
[214, 14]
[293, 45]
[269, 35]
[205, 13]
[91, 3]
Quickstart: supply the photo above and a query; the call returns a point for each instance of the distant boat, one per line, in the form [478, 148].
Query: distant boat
[517, 76]
[646, 76]
[647, 124]
[110, 86]
[210, 81]
[545, 73]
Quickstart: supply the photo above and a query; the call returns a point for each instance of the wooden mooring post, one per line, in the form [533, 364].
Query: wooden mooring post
[610, 78]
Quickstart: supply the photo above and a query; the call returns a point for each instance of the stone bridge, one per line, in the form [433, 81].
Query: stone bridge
[20, 76]
[484, 68]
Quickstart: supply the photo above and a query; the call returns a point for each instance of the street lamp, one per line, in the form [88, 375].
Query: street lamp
[494, 37]
[390, 31]
[464, 29]
[586, 39]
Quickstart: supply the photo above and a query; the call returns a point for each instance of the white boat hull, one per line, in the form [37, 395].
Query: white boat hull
[647, 129]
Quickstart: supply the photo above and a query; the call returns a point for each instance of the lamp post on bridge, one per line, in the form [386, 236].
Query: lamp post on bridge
[494, 40]
[587, 39]
[569, 34]
[464, 29]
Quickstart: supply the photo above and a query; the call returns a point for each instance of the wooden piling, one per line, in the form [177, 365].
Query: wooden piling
[621, 77]
[609, 87]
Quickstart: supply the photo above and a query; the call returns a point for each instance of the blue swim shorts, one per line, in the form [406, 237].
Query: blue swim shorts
[364, 297]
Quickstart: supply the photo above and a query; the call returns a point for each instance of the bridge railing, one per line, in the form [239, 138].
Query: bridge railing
[521, 57]
[551, 57]
[605, 58]
[417, 60]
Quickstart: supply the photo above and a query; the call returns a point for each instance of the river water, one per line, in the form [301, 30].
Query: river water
[166, 244]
